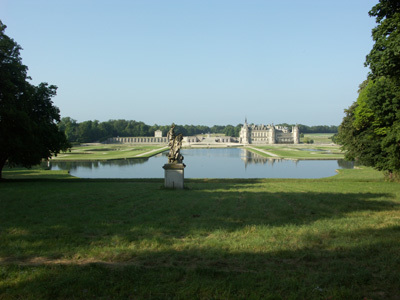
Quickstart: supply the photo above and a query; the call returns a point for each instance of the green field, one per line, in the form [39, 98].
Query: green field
[109, 151]
[300, 151]
[322, 148]
[318, 138]
[122, 151]
[68, 238]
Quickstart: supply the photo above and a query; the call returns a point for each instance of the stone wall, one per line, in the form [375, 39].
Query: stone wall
[190, 139]
[164, 140]
[284, 138]
[137, 140]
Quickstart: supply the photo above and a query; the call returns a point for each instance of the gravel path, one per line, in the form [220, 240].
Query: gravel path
[142, 154]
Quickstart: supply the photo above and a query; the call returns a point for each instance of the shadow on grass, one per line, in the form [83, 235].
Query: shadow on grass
[192, 244]
[92, 212]
[369, 271]
[20, 174]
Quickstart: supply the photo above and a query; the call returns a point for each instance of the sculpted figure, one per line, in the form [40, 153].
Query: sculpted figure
[175, 144]
[171, 136]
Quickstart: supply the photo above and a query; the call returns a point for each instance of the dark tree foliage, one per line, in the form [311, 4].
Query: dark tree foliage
[313, 129]
[384, 58]
[28, 119]
[318, 129]
[370, 129]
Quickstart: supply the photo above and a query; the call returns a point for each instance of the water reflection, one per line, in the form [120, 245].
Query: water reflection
[253, 158]
[345, 164]
[73, 165]
[206, 163]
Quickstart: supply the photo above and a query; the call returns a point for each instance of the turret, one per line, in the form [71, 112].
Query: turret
[273, 135]
[296, 134]
[244, 133]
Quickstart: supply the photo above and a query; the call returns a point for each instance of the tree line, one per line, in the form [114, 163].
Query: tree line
[314, 129]
[95, 131]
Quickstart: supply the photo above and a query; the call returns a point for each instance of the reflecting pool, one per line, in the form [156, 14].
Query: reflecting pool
[206, 163]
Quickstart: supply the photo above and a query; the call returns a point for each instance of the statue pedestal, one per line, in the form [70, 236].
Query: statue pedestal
[174, 175]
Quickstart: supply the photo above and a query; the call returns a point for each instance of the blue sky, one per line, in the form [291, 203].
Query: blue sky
[196, 62]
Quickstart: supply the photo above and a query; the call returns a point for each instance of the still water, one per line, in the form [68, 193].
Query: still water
[206, 163]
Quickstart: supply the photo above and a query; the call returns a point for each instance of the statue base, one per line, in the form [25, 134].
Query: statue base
[174, 176]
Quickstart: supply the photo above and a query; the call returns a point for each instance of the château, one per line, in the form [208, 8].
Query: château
[268, 134]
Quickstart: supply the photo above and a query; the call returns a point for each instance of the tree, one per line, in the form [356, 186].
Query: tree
[229, 130]
[85, 132]
[384, 58]
[370, 129]
[70, 127]
[28, 118]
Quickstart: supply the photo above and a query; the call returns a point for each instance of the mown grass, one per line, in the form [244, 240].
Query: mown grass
[301, 151]
[36, 172]
[332, 238]
[123, 151]
[109, 151]
[318, 138]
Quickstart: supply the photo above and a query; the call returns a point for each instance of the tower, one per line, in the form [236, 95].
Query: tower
[244, 136]
[296, 134]
[272, 135]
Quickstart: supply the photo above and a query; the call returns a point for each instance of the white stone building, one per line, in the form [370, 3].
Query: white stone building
[158, 133]
[268, 134]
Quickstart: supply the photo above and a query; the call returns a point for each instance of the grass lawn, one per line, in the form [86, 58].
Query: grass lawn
[319, 138]
[322, 149]
[109, 151]
[332, 238]
[300, 151]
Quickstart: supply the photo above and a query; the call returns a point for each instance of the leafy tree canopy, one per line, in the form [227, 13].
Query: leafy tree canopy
[384, 58]
[370, 129]
[28, 118]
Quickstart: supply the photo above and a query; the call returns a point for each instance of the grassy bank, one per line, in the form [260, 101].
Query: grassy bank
[300, 151]
[332, 238]
[318, 138]
[109, 151]
[123, 151]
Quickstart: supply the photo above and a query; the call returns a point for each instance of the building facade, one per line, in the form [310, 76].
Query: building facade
[249, 134]
[268, 134]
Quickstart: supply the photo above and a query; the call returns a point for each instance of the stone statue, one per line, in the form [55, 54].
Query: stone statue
[171, 136]
[174, 169]
[175, 144]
